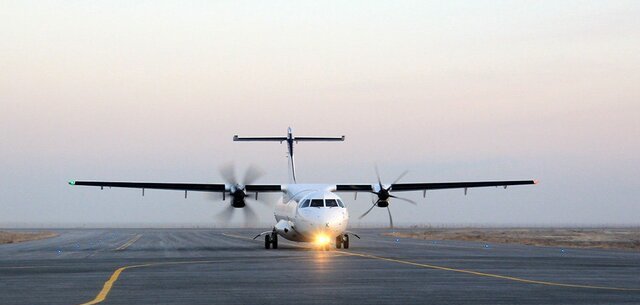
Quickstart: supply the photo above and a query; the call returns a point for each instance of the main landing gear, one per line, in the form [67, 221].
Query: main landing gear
[342, 241]
[271, 240]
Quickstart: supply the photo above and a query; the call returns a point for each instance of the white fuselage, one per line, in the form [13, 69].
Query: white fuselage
[307, 211]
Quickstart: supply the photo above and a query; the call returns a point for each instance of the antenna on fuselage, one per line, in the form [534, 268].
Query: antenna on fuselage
[290, 139]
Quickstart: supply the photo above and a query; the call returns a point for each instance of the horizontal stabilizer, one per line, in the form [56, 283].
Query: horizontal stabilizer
[282, 139]
[265, 139]
[319, 139]
[291, 140]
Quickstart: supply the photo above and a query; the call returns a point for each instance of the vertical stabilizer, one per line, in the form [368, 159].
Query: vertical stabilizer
[290, 139]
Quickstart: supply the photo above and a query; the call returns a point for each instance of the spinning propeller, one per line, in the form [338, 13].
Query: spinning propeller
[238, 193]
[384, 196]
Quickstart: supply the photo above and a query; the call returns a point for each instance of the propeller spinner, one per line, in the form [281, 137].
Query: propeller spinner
[384, 196]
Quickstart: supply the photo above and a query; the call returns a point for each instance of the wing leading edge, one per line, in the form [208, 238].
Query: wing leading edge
[432, 186]
[207, 187]
[198, 187]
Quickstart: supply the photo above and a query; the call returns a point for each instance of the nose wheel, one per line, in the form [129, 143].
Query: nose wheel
[342, 241]
[271, 240]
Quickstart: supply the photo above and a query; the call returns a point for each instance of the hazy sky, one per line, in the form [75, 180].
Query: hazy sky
[452, 90]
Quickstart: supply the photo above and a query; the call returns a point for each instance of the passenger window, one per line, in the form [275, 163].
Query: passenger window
[340, 203]
[317, 203]
[331, 203]
[305, 203]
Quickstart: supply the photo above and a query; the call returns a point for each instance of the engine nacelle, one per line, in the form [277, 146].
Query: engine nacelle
[238, 203]
[237, 198]
[382, 203]
[383, 197]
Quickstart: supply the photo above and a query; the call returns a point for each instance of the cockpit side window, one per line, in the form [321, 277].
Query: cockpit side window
[340, 203]
[305, 203]
[317, 203]
[331, 203]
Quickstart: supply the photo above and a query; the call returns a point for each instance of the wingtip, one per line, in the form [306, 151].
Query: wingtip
[72, 182]
[536, 181]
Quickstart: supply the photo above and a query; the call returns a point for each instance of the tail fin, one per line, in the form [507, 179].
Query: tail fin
[290, 139]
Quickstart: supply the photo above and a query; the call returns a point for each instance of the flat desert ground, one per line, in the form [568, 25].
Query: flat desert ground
[9, 237]
[604, 238]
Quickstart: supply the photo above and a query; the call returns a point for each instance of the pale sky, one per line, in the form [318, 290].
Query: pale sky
[451, 90]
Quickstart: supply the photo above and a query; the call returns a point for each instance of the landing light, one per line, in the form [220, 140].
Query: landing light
[322, 239]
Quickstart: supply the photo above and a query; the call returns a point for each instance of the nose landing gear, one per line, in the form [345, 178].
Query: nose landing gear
[271, 240]
[342, 241]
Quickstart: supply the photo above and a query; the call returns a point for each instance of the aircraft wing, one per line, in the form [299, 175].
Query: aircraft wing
[431, 186]
[199, 187]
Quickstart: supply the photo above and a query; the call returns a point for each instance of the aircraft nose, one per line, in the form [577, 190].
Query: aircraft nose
[328, 220]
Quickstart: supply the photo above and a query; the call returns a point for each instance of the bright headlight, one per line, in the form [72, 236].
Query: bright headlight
[322, 239]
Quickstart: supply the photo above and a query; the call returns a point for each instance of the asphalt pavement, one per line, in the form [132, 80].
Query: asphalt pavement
[225, 266]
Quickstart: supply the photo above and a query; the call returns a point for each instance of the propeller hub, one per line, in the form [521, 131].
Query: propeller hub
[238, 195]
[383, 195]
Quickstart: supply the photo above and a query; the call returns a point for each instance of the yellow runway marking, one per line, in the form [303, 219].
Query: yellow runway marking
[116, 274]
[108, 285]
[102, 295]
[484, 274]
[476, 273]
[129, 243]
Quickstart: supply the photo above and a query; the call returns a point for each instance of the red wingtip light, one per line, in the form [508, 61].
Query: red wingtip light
[536, 181]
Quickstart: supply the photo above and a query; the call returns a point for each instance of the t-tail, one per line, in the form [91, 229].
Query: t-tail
[290, 139]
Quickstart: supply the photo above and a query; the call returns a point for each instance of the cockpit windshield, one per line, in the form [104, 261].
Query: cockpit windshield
[317, 203]
[305, 203]
[331, 203]
[320, 203]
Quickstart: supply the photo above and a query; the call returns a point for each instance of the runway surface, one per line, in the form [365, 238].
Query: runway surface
[204, 266]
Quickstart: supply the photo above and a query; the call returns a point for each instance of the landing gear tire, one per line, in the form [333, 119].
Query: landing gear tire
[338, 241]
[271, 241]
[345, 241]
[267, 241]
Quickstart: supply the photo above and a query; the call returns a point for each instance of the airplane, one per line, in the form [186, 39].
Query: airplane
[305, 212]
